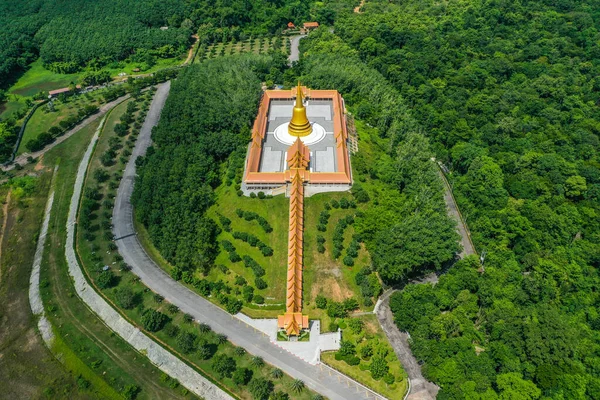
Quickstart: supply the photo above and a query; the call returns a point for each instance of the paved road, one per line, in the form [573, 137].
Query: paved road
[294, 52]
[22, 159]
[331, 384]
[463, 230]
[420, 387]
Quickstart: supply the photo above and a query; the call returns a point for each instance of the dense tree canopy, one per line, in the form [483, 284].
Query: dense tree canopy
[407, 229]
[207, 116]
[71, 34]
[507, 95]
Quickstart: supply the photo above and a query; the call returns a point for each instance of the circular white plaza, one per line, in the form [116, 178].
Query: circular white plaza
[281, 134]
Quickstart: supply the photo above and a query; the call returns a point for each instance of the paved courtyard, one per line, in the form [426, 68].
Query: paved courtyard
[308, 351]
[323, 157]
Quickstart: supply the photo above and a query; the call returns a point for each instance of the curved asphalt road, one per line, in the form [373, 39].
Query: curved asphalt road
[294, 52]
[334, 385]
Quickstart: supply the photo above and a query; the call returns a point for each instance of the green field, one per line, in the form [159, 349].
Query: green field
[372, 335]
[37, 78]
[43, 119]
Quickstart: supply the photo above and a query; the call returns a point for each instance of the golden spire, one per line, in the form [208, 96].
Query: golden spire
[299, 125]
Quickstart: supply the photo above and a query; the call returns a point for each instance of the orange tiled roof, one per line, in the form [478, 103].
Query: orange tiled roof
[344, 174]
[311, 24]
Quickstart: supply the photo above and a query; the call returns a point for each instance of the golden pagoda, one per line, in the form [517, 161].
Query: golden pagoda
[299, 125]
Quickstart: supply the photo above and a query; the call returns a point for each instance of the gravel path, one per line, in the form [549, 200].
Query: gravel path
[35, 299]
[163, 359]
[329, 383]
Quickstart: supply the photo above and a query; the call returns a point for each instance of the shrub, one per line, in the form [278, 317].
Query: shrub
[252, 195]
[204, 328]
[187, 342]
[260, 388]
[221, 338]
[130, 392]
[344, 204]
[260, 283]
[205, 352]
[258, 299]
[379, 368]
[261, 195]
[234, 306]
[242, 376]
[350, 304]
[172, 330]
[223, 365]
[336, 310]
[153, 320]
[277, 373]
[348, 261]
[389, 379]
[266, 251]
[320, 248]
[320, 239]
[321, 301]
[125, 297]
[335, 204]
[355, 325]
[240, 280]
[239, 351]
[257, 362]
[106, 279]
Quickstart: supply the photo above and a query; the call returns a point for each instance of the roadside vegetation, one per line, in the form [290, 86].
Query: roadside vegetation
[210, 353]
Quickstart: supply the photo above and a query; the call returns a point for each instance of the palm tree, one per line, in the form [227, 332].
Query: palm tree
[221, 338]
[257, 362]
[239, 351]
[204, 328]
[277, 373]
[318, 397]
[298, 385]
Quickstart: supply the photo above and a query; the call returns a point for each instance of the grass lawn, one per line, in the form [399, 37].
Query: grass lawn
[38, 78]
[96, 252]
[42, 119]
[14, 104]
[25, 362]
[372, 335]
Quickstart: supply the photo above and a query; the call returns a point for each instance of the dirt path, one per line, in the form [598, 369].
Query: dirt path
[4, 218]
[191, 51]
[357, 8]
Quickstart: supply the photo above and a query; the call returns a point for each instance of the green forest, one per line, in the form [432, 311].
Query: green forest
[208, 116]
[504, 94]
[507, 94]
[71, 35]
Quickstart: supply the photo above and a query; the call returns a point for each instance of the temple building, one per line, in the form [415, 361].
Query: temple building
[325, 134]
[298, 144]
